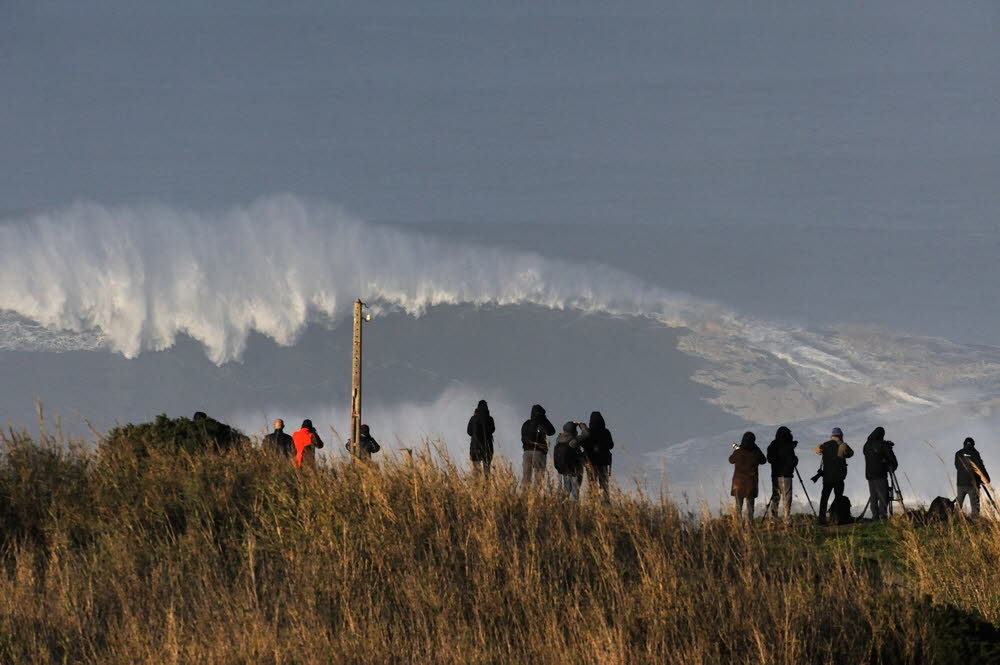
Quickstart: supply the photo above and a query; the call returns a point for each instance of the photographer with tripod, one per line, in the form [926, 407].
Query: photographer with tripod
[833, 470]
[781, 457]
[880, 463]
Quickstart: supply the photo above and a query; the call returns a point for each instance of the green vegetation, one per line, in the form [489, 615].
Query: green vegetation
[191, 553]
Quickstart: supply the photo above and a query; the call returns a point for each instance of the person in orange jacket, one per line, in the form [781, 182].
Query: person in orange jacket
[306, 442]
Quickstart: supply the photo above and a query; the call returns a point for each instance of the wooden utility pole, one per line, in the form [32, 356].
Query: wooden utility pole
[356, 382]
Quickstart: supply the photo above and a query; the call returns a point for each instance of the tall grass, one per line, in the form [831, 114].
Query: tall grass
[233, 557]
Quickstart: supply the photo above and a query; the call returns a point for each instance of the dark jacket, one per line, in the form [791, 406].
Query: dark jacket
[835, 453]
[279, 443]
[535, 429]
[964, 459]
[368, 444]
[568, 456]
[746, 459]
[781, 454]
[480, 431]
[879, 458]
[600, 443]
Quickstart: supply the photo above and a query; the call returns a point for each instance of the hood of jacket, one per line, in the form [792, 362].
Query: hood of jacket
[877, 435]
[597, 421]
[537, 412]
[749, 440]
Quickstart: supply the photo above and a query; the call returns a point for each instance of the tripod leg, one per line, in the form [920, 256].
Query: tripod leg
[899, 494]
[811, 506]
[865, 509]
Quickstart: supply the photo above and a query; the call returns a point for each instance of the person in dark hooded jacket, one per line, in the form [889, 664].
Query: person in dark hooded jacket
[880, 461]
[745, 460]
[835, 453]
[480, 431]
[967, 462]
[368, 445]
[569, 457]
[534, 440]
[598, 448]
[781, 456]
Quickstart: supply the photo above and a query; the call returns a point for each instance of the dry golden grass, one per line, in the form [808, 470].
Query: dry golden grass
[235, 558]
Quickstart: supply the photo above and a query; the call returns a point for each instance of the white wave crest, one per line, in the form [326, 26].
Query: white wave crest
[136, 277]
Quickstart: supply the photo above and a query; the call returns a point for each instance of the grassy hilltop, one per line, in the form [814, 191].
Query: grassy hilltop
[147, 551]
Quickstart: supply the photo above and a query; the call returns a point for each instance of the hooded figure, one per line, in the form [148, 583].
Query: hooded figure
[306, 442]
[969, 465]
[480, 431]
[598, 448]
[569, 457]
[367, 445]
[781, 456]
[534, 439]
[835, 453]
[880, 461]
[746, 459]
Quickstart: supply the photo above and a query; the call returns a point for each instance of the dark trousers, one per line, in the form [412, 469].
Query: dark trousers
[602, 474]
[973, 494]
[482, 466]
[838, 491]
[878, 490]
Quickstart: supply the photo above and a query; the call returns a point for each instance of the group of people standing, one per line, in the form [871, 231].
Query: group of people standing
[300, 447]
[880, 466]
[581, 448]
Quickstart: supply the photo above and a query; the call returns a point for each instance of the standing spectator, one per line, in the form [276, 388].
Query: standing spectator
[534, 440]
[367, 444]
[781, 457]
[746, 458]
[835, 453]
[480, 431]
[569, 458]
[967, 462]
[278, 442]
[880, 461]
[306, 442]
[598, 448]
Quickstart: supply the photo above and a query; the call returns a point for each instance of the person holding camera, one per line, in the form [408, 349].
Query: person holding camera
[367, 444]
[833, 471]
[746, 458]
[306, 441]
[971, 475]
[569, 457]
[880, 461]
[781, 456]
[534, 440]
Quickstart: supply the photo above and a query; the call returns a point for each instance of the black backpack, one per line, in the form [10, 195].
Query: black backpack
[840, 511]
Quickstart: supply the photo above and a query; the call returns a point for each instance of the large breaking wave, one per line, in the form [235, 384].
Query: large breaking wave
[136, 277]
[132, 278]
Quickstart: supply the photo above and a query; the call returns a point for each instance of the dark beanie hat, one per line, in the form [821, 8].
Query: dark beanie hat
[748, 440]
[969, 441]
[307, 424]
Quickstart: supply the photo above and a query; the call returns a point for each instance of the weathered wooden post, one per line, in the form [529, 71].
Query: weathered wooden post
[356, 382]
